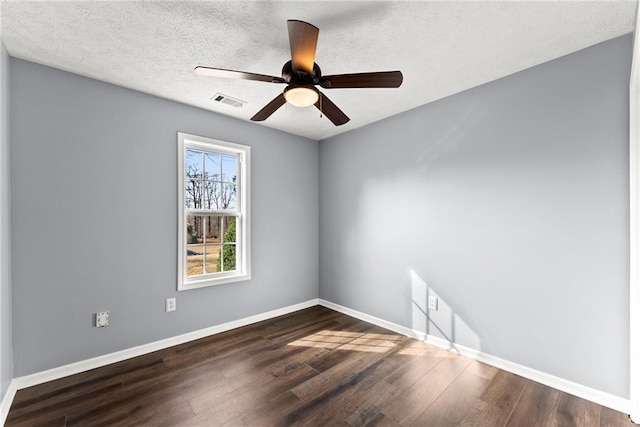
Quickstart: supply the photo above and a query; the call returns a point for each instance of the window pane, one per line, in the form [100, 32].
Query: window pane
[228, 197]
[193, 163]
[212, 166]
[212, 238]
[213, 258]
[229, 168]
[193, 194]
[213, 229]
[230, 229]
[212, 195]
[229, 257]
[195, 257]
[194, 229]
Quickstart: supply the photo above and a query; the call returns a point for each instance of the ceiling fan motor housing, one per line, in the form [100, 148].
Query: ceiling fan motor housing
[300, 76]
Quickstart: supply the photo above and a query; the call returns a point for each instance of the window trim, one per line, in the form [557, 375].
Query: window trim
[243, 224]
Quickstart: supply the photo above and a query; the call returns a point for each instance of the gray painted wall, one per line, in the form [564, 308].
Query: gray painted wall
[6, 347]
[94, 190]
[510, 202]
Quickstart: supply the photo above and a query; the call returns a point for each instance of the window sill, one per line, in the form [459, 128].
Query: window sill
[209, 281]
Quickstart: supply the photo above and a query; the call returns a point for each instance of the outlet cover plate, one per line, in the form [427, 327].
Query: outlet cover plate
[170, 305]
[102, 319]
[433, 303]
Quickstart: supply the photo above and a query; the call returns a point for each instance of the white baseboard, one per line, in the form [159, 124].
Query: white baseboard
[7, 399]
[601, 398]
[118, 356]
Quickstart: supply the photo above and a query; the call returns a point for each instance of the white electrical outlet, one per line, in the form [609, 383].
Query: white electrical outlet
[433, 303]
[102, 319]
[170, 305]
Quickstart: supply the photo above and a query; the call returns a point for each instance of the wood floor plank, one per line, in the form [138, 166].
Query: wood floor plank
[353, 363]
[225, 413]
[536, 408]
[47, 400]
[288, 357]
[419, 348]
[482, 369]
[124, 412]
[353, 401]
[61, 408]
[43, 418]
[363, 404]
[200, 374]
[414, 369]
[381, 420]
[45, 421]
[270, 411]
[342, 397]
[224, 349]
[408, 405]
[306, 316]
[267, 354]
[451, 406]
[185, 382]
[314, 367]
[303, 329]
[611, 418]
[265, 386]
[330, 359]
[79, 383]
[573, 411]
[495, 405]
[236, 404]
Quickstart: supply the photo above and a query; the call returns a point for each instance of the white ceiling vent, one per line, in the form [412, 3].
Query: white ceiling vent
[226, 99]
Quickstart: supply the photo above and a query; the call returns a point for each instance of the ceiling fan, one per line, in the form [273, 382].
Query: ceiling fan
[301, 75]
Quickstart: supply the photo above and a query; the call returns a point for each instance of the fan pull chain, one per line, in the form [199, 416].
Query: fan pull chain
[321, 105]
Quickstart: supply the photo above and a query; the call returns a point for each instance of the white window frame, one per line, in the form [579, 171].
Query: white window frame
[243, 253]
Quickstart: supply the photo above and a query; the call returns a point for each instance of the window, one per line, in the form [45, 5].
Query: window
[213, 214]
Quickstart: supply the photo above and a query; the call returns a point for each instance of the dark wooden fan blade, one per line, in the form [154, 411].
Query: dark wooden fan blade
[303, 39]
[232, 74]
[331, 110]
[362, 80]
[269, 109]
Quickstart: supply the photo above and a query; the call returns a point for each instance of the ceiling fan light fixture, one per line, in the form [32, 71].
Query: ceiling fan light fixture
[301, 96]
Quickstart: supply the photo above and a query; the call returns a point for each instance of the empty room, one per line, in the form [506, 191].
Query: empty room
[361, 213]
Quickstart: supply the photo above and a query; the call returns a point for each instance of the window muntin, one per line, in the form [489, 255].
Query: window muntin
[213, 214]
[211, 244]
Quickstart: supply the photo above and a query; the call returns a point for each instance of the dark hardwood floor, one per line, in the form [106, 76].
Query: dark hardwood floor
[314, 367]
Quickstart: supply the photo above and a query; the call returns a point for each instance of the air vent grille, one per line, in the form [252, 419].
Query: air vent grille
[226, 99]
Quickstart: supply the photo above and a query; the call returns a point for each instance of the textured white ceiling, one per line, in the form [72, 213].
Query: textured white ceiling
[441, 47]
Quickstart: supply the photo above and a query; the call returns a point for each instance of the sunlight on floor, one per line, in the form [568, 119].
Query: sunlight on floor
[418, 348]
[355, 341]
[360, 341]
